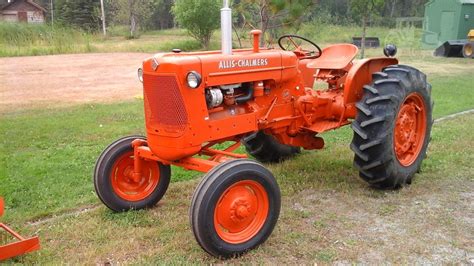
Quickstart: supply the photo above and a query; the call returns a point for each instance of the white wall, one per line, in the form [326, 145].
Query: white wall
[9, 16]
[35, 17]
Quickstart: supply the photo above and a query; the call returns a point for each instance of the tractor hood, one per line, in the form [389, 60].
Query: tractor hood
[218, 69]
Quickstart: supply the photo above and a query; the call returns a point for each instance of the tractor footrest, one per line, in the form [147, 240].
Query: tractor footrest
[20, 247]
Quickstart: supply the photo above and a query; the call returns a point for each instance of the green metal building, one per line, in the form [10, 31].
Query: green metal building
[447, 20]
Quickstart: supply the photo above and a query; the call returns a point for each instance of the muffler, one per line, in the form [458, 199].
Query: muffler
[226, 28]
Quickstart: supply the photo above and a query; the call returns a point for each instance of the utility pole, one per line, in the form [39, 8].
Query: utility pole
[52, 14]
[103, 17]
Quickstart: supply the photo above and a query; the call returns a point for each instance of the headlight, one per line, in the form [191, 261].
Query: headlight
[193, 79]
[140, 75]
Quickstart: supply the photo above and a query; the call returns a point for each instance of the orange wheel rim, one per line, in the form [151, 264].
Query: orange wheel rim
[410, 129]
[121, 178]
[241, 211]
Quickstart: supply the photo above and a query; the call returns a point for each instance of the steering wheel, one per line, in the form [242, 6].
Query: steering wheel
[292, 40]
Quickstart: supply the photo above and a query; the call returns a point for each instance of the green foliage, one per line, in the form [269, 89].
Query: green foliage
[331, 12]
[134, 13]
[161, 17]
[31, 39]
[83, 14]
[362, 9]
[272, 15]
[200, 17]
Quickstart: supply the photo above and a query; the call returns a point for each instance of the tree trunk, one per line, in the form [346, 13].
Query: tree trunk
[133, 23]
[392, 9]
[238, 36]
[133, 26]
[206, 42]
[364, 34]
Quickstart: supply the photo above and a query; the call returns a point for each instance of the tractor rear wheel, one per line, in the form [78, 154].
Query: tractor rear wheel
[114, 183]
[267, 149]
[393, 126]
[235, 208]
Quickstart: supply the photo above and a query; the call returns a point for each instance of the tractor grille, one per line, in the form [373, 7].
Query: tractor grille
[164, 106]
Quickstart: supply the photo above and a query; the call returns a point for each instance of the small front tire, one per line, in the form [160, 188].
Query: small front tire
[235, 208]
[113, 178]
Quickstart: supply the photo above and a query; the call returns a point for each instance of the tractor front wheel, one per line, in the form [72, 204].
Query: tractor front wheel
[114, 182]
[393, 126]
[235, 208]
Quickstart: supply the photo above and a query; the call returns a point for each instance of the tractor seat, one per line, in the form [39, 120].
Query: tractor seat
[336, 56]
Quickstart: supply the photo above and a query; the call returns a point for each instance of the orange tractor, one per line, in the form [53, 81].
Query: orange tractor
[200, 106]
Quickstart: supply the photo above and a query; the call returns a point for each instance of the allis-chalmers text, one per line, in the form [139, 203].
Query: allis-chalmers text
[226, 64]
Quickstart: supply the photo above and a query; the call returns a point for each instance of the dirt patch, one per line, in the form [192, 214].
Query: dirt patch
[62, 80]
[420, 225]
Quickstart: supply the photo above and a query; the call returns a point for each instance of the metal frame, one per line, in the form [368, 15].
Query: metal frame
[200, 164]
[21, 246]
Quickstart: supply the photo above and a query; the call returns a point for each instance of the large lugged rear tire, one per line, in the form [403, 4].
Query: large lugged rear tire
[235, 208]
[392, 128]
[267, 149]
[113, 178]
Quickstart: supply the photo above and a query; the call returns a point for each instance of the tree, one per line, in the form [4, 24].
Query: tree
[135, 13]
[82, 14]
[363, 10]
[162, 17]
[268, 15]
[200, 17]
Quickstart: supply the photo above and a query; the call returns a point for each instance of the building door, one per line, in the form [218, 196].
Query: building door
[447, 26]
[22, 16]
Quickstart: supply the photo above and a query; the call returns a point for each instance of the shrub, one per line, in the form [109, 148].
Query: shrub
[200, 17]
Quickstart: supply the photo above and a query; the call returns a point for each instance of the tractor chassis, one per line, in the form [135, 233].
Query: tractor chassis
[204, 165]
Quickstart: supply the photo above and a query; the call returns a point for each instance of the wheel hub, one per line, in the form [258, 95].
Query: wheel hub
[405, 135]
[241, 211]
[123, 182]
[410, 129]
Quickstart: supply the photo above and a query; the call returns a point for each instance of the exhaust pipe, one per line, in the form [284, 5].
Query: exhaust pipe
[226, 28]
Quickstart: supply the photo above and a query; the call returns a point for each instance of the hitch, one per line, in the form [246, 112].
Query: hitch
[21, 246]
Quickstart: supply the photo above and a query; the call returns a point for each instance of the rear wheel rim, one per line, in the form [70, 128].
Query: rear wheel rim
[410, 129]
[122, 182]
[241, 212]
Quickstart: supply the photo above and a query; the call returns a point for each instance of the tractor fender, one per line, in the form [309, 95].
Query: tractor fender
[360, 74]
